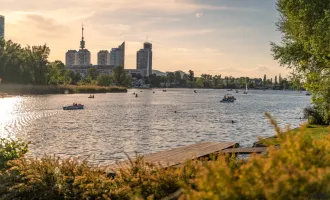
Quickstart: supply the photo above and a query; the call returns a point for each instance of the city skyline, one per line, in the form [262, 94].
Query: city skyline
[212, 37]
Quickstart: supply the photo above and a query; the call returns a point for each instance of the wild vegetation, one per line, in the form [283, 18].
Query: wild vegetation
[305, 26]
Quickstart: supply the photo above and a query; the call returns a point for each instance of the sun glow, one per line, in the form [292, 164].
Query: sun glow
[7, 108]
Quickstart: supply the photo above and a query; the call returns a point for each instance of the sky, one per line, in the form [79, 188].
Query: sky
[227, 37]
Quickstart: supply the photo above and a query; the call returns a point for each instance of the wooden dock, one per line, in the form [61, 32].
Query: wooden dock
[180, 155]
[245, 150]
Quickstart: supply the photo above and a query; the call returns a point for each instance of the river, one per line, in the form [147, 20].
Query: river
[112, 124]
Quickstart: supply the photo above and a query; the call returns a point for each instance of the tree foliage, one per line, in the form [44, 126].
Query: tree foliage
[305, 25]
[121, 77]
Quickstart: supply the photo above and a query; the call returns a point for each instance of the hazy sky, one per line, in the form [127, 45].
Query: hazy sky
[228, 37]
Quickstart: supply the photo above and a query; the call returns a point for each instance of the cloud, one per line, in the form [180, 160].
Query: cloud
[199, 15]
[262, 68]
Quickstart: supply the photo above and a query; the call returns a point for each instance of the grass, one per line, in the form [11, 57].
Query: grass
[18, 89]
[316, 132]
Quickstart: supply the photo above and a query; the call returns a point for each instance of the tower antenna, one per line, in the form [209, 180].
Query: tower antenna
[82, 42]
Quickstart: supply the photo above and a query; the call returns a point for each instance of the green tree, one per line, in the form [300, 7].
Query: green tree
[92, 73]
[10, 63]
[121, 77]
[104, 80]
[191, 77]
[265, 79]
[305, 26]
[170, 77]
[177, 77]
[217, 81]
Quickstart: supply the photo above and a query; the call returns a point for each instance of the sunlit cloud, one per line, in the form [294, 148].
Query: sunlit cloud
[228, 37]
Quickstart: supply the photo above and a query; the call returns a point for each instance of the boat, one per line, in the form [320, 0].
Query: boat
[228, 98]
[230, 90]
[91, 97]
[236, 91]
[246, 88]
[308, 93]
[195, 91]
[74, 107]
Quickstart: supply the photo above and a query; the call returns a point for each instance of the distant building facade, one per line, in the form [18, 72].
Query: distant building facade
[83, 57]
[2, 26]
[144, 59]
[103, 57]
[117, 56]
[70, 58]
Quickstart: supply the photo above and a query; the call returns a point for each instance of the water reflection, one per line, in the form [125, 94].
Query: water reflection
[112, 124]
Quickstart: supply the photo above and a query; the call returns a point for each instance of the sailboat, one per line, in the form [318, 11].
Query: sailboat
[246, 88]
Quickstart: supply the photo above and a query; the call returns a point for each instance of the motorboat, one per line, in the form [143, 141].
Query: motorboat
[230, 90]
[236, 91]
[91, 97]
[195, 91]
[308, 93]
[74, 107]
[228, 98]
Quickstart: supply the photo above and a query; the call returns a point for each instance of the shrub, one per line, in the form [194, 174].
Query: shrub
[10, 150]
[52, 178]
[300, 169]
[314, 116]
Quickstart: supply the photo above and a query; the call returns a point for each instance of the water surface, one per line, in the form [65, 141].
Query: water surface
[112, 124]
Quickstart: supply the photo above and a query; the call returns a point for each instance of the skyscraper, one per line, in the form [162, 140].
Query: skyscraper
[83, 56]
[103, 57]
[117, 56]
[2, 26]
[144, 59]
[70, 58]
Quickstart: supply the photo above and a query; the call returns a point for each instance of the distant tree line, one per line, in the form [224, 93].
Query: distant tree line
[30, 65]
[175, 79]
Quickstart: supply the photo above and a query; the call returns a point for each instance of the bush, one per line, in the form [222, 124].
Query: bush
[52, 178]
[299, 170]
[314, 116]
[10, 150]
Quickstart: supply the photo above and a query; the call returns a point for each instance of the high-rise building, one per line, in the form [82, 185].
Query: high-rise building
[70, 58]
[117, 56]
[83, 56]
[2, 26]
[103, 57]
[144, 59]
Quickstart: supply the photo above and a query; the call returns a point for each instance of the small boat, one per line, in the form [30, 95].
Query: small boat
[195, 91]
[230, 90]
[136, 95]
[91, 97]
[308, 93]
[164, 91]
[236, 91]
[228, 98]
[74, 107]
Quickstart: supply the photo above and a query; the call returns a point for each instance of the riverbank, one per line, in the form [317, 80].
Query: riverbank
[3, 95]
[18, 89]
[316, 132]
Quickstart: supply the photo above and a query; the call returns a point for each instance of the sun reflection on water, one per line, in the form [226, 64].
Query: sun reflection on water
[7, 114]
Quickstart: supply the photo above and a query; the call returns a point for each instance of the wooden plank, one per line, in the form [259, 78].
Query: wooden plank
[180, 155]
[245, 150]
